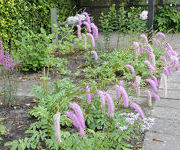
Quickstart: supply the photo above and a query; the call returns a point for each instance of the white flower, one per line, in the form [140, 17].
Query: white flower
[144, 15]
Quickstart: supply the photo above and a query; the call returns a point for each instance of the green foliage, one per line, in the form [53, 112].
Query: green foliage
[2, 129]
[29, 15]
[34, 50]
[167, 19]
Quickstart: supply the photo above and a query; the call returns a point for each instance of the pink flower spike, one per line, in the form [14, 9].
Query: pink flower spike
[117, 91]
[160, 34]
[138, 80]
[155, 80]
[163, 59]
[144, 37]
[144, 15]
[88, 26]
[85, 41]
[88, 94]
[125, 96]
[153, 84]
[149, 98]
[131, 69]
[110, 104]
[95, 30]
[156, 97]
[92, 39]
[138, 109]
[74, 119]
[78, 112]
[155, 41]
[87, 17]
[80, 20]
[57, 127]
[166, 71]
[121, 83]
[102, 98]
[95, 55]
[79, 31]
[150, 67]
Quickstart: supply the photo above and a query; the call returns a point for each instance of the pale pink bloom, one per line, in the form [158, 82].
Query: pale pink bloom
[88, 26]
[160, 34]
[167, 46]
[149, 98]
[155, 80]
[150, 67]
[95, 30]
[87, 17]
[57, 127]
[131, 69]
[110, 104]
[166, 71]
[121, 83]
[88, 94]
[85, 41]
[144, 37]
[117, 91]
[124, 96]
[163, 59]
[79, 31]
[144, 15]
[95, 55]
[153, 84]
[155, 41]
[156, 97]
[138, 109]
[92, 39]
[102, 98]
[78, 112]
[80, 20]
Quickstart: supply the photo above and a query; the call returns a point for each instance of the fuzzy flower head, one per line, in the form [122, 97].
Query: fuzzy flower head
[138, 109]
[156, 97]
[87, 17]
[95, 55]
[124, 96]
[102, 98]
[88, 94]
[155, 41]
[150, 67]
[131, 69]
[110, 104]
[92, 39]
[144, 15]
[144, 38]
[88, 26]
[95, 30]
[78, 31]
[153, 84]
[160, 34]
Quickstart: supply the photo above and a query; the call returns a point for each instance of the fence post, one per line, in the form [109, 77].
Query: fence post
[150, 18]
[54, 21]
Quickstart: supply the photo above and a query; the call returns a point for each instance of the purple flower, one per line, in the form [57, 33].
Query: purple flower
[95, 55]
[138, 109]
[155, 80]
[57, 127]
[155, 41]
[144, 37]
[163, 59]
[131, 69]
[144, 15]
[110, 104]
[166, 71]
[141, 48]
[92, 39]
[167, 46]
[79, 31]
[153, 84]
[88, 26]
[150, 67]
[74, 119]
[74, 106]
[160, 34]
[155, 96]
[124, 96]
[80, 20]
[88, 94]
[87, 17]
[149, 98]
[95, 30]
[85, 40]
[102, 97]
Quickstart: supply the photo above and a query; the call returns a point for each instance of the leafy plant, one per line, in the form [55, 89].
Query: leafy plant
[2, 130]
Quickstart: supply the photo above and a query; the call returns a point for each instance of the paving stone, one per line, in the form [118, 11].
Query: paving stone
[157, 141]
[170, 103]
[171, 94]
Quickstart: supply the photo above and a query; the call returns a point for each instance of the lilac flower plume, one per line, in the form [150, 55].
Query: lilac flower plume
[95, 55]
[150, 67]
[138, 109]
[87, 17]
[74, 106]
[88, 26]
[160, 34]
[163, 59]
[95, 30]
[156, 97]
[124, 96]
[85, 41]
[80, 20]
[110, 104]
[57, 127]
[102, 98]
[153, 84]
[155, 80]
[155, 41]
[144, 15]
[144, 37]
[88, 94]
[131, 69]
[92, 39]
[149, 98]
[79, 31]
